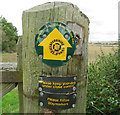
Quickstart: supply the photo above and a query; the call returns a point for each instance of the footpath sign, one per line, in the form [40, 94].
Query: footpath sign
[55, 44]
[57, 92]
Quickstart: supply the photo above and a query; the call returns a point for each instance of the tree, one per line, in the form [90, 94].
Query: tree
[9, 35]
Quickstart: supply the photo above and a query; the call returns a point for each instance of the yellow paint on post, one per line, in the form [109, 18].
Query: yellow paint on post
[55, 46]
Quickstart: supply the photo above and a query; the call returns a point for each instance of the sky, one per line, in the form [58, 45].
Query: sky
[103, 15]
[119, 19]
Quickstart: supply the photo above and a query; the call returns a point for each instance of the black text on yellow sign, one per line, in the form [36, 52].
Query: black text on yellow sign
[55, 43]
[55, 46]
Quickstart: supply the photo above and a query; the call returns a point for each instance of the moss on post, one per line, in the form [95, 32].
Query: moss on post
[33, 19]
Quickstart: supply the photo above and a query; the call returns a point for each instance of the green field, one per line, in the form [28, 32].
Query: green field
[10, 102]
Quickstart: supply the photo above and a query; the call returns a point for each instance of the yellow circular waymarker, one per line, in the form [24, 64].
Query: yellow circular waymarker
[55, 44]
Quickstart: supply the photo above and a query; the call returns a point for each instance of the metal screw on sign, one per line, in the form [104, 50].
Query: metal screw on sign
[75, 78]
[74, 88]
[73, 105]
[66, 36]
[69, 57]
[40, 89]
[41, 93]
[41, 103]
[44, 35]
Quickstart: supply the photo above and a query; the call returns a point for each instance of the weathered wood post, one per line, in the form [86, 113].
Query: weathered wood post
[33, 19]
[20, 74]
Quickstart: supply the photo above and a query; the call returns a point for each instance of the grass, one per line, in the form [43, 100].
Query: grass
[10, 102]
[5, 54]
[0, 106]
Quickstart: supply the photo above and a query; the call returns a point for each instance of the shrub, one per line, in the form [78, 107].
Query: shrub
[103, 85]
[9, 35]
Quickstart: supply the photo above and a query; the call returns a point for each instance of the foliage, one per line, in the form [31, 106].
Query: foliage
[10, 102]
[9, 35]
[103, 85]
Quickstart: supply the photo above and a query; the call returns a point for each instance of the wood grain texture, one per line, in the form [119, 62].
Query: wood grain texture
[33, 19]
[7, 87]
[8, 77]
[20, 74]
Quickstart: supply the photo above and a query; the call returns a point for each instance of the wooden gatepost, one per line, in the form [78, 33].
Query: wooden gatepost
[55, 84]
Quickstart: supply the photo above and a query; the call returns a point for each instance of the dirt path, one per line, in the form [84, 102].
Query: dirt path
[9, 58]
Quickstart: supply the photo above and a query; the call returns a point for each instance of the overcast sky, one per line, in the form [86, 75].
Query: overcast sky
[103, 15]
[119, 19]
